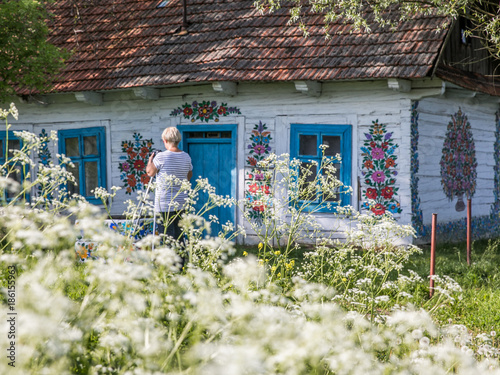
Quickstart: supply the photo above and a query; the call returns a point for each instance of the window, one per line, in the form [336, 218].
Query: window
[305, 142]
[87, 150]
[8, 141]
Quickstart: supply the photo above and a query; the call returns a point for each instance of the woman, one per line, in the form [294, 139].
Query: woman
[171, 167]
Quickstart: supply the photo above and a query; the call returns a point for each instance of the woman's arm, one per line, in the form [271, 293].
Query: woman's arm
[190, 174]
[151, 168]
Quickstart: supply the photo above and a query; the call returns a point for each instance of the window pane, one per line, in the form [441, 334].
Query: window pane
[308, 144]
[333, 143]
[17, 175]
[73, 188]
[307, 175]
[91, 177]
[196, 134]
[72, 147]
[14, 144]
[90, 145]
[329, 196]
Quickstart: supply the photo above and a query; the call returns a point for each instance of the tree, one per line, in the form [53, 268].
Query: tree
[27, 60]
[483, 15]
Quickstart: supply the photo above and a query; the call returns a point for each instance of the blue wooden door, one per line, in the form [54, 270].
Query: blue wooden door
[213, 153]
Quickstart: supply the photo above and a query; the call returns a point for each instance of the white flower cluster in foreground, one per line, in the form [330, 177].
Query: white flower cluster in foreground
[141, 316]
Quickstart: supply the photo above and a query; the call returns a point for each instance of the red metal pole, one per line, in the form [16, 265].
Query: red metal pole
[469, 230]
[433, 254]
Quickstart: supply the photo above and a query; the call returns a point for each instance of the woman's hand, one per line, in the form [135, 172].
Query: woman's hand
[151, 168]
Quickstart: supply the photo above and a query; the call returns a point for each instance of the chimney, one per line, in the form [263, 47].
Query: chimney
[183, 30]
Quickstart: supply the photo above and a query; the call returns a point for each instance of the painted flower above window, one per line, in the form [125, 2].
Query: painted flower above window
[379, 163]
[205, 111]
[187, 111]
[133, 169]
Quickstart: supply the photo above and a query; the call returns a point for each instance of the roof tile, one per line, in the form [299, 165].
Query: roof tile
[127, 43]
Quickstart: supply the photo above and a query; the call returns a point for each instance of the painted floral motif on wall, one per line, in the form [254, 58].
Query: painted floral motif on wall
[257, 193]
[204, 111]
[259, 144]
[495, 208]
[379, 170]
[417, 216]
[44, 152]
[133, 169]
[458, 161]
[45, 157]
[487, 226]
[257, 187]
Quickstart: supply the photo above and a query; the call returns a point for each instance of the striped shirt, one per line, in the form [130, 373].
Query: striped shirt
[168, 196]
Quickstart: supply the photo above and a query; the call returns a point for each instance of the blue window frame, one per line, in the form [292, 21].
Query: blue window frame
[87, 150]
[8, 141]
[305, 141]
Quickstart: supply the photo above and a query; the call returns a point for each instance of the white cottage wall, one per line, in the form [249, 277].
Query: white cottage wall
[276, 104]
[434, 114]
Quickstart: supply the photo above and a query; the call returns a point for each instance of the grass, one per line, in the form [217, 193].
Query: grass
[479, 307]
[295, 254]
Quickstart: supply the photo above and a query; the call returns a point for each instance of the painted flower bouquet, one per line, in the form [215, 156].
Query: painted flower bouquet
[133, 169]
[379, 170]
[458, 161]
[258, 184]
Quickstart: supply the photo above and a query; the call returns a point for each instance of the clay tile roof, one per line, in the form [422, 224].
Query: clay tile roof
[129, 43]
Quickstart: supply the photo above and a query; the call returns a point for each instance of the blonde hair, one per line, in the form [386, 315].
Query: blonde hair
[171, 135]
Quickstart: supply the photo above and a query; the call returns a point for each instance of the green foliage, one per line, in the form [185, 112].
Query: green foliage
[27, 60]
[298, 191]
[364, 15]
[365, 269]
[478, 307]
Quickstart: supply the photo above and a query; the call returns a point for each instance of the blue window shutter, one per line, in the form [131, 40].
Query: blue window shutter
[99, 157]
[321, 130]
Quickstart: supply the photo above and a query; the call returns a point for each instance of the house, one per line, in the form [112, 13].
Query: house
[414, 112]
